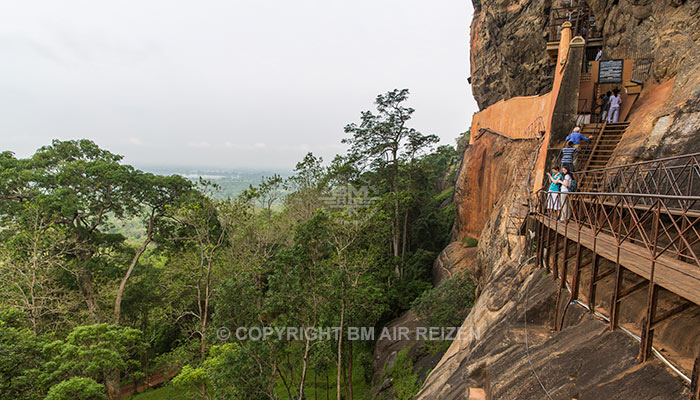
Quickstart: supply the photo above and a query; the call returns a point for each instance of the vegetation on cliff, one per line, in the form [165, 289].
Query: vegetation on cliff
[85, 309]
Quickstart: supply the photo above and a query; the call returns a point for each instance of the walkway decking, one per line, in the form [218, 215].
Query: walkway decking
[672, 274]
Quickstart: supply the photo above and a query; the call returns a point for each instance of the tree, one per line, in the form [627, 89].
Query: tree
[99, 352]
[31, 255]
[79, 188]
[357, 293]
[266, 193]
[380, 141]
[20, 357]
[230, 372]
[299, 286]
[158, 195]
[77, 388]
[307, 186]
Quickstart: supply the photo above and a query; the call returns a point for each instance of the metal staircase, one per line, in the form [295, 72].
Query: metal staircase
[598, 153]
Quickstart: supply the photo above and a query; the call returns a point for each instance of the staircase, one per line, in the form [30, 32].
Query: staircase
[597, 153]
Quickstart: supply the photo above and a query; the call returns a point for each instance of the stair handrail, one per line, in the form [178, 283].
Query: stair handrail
[594, 148]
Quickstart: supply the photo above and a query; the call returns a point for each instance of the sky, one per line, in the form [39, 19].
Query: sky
[226, 84]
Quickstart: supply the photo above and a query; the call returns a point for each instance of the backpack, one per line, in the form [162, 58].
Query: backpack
[572, 185]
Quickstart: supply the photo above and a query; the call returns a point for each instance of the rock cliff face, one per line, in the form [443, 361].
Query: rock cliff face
[489, 167]
[508, 53]
[516, 354]
[668, 33]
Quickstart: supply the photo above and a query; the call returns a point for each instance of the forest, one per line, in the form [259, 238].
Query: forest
[88, 308]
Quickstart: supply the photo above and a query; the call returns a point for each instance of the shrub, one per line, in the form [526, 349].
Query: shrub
[470, 241]
[447, 304]
[404, 381]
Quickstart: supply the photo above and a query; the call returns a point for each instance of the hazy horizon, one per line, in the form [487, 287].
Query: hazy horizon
[233, 85]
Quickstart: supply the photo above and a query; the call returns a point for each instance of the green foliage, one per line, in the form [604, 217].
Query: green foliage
[229, 372]
[470, 241]
[81, 232]
[463, 142]
[77, 388]
[166, 392]
[20, 357]
[448, 303]
[405, 382]
[92, 351]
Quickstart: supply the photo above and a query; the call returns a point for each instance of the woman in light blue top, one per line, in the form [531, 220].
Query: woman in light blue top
[555, 180]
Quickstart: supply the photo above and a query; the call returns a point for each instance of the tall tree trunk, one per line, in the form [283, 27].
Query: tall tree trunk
[348, 361]
[405, 235]
[112, 383]
[132, 265]
[340, 349]
[205, 310]
[396, 228]
[405, 215]
[305, 360]
[284, 381]
[144, 328]
[88, 292]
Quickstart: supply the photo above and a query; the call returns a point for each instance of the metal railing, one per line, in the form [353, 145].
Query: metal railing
[659, 224]
[648, 234]
[582, 22]
[671, 176]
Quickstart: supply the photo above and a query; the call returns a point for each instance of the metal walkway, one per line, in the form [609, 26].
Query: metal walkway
[646, 222]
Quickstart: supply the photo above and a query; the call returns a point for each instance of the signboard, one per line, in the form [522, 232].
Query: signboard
[610, 71]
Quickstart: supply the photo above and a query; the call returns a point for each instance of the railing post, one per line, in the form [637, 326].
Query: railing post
[562, 282]
[555, 256]
[551, 235]
[694, 382]
[653, 296]
[614, 302]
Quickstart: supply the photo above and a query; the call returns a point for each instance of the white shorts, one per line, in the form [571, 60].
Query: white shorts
[553, 202]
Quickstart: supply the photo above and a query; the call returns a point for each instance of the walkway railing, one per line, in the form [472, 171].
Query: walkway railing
[672, 176]
[658, 225]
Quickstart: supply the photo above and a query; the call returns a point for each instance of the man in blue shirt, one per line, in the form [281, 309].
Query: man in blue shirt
[576, 137]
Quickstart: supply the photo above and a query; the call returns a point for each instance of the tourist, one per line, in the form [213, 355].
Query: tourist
[606, 105]
[566, 171]
[567, 155]
[553, 204]
[615, 101]
[599, 107]
[576, 137]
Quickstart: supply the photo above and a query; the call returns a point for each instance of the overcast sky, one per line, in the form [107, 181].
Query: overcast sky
[231, 83]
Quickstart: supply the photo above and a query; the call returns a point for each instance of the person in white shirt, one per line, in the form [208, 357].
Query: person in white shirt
[564, 193]
[614, 111]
